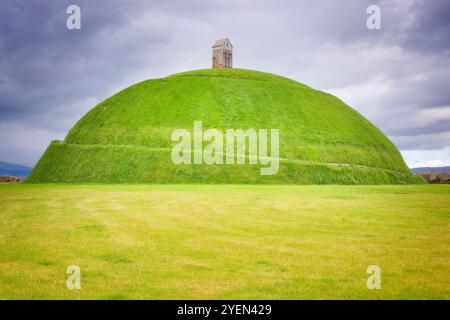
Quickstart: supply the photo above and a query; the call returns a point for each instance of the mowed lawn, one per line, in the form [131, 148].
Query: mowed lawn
[224, 241]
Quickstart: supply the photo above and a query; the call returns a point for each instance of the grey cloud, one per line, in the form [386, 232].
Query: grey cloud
[424, 142]
[51, 76]
[430, 28]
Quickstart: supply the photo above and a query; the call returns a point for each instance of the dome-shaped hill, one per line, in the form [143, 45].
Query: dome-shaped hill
[127, 137]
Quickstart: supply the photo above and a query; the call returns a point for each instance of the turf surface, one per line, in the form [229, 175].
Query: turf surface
[127, 137]
[224, 241]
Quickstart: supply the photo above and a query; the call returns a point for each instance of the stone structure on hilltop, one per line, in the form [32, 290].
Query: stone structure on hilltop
[222, 54]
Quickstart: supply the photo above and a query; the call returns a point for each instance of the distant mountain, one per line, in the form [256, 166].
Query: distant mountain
[11, 169]
[430, 169]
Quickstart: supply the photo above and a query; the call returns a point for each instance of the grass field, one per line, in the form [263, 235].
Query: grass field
[224, 241]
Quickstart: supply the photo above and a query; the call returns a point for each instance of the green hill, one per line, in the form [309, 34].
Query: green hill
[127, 137]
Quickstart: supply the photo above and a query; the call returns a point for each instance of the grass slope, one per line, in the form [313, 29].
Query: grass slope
[317, 131]
[71, 163]
[224, 242]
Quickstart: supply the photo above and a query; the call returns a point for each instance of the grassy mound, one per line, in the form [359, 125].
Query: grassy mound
[126, 138]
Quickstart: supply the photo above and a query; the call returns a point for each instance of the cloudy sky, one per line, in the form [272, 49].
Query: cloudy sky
[397, 77]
